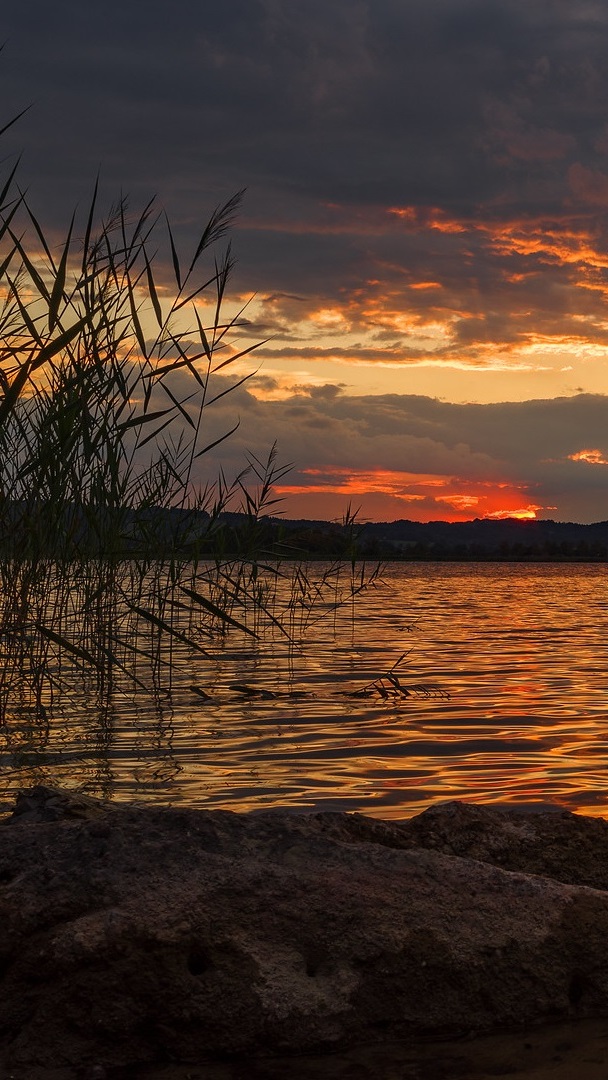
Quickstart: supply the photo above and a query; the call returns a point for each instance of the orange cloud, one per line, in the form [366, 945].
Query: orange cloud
[554, 240]
[590, 457]
[435, 314]
[551, 241]
[327, 316]
[460, 502]
[383, 493]
[408, 214]
[428, 217]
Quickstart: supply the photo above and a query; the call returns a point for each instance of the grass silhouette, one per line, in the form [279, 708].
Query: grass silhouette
[111, 555]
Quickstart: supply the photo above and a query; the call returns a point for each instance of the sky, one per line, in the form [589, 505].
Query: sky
[422, 245]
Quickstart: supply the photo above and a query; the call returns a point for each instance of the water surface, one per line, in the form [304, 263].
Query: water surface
[520, 649]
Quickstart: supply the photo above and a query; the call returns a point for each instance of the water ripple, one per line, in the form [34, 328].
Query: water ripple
[522, 651]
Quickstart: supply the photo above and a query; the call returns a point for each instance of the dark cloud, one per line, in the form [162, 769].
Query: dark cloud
[353, 101]
[432, 176]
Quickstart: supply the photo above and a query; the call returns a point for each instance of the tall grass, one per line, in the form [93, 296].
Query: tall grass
[111, 554]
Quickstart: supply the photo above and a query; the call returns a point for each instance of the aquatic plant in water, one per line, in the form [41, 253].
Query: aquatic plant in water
[390, 684]
[111, 553]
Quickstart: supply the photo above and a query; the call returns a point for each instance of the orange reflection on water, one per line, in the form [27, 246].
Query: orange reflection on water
[521, 650]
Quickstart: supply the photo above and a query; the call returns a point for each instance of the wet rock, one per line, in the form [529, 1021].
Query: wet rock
[142, 935]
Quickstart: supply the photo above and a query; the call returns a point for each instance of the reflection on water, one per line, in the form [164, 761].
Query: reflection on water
[522, 650]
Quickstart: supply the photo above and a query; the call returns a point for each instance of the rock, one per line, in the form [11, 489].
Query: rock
[43, 803]
[560, 845]
[141, 935]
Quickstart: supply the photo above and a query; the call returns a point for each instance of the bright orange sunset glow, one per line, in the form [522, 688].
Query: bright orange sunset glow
[406, 495]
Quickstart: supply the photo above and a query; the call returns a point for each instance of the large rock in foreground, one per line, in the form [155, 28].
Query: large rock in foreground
[135, 935]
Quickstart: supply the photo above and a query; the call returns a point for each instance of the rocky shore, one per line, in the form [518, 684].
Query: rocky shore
[137, 941]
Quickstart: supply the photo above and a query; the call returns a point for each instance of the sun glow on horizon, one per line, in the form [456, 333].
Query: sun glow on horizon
[526, 513]
[385, 494]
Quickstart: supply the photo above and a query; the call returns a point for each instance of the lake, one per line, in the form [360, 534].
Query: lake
[511, 661]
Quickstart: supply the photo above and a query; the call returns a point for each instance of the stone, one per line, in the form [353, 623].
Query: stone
[134, 935]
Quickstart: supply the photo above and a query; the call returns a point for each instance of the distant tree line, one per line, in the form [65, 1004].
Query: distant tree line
[196, 533]
[506, 540]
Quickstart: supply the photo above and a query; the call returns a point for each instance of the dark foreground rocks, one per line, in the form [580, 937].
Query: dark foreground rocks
[147, 935]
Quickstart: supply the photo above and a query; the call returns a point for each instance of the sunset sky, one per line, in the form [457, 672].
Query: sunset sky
[423, 240]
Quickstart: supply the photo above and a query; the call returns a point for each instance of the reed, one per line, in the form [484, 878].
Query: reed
[390, 684]
[111, 554]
